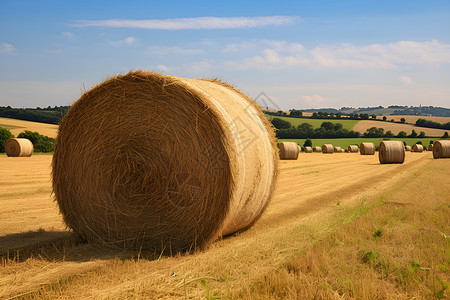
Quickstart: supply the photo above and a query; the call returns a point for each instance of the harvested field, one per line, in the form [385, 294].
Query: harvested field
[362, 126]
[331, 221]
[17, 126]
[413, 119]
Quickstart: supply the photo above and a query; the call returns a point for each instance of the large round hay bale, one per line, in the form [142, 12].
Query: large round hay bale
[148, 161]
[430, 147]
[441, 149]
[327, 148]
[19, 147]
[367, 148]
[417, 148]
[289, 151]
[353, 149]
[391, 152]
[408, 148]
[308, 149]
[317, 149]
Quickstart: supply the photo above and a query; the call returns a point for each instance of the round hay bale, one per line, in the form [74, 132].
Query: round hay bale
[289, 151]
[337, 149]
[408, 148]
[391, 152]
[317, 149]
[441, 149]
[19, 147]
[417, 148]
[147, 161]
[308, 149]
[367, 148]
[327, 148]
[430, 147]
[353, 149]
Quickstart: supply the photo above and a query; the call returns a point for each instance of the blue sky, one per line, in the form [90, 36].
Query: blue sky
[302, 54]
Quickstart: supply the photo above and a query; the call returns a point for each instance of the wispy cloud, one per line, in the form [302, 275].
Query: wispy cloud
[126, 41]
[6, 48]
[280, 54]
[161, 50]
[192, 23]
[405, 80]
[67, 34]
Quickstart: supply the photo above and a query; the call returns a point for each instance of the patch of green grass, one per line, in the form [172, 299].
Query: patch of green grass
[347, 124]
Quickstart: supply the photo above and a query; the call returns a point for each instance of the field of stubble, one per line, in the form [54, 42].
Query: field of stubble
[338, 226]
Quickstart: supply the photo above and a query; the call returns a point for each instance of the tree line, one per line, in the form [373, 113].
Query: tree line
[50, 115]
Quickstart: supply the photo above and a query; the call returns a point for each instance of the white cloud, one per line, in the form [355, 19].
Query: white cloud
[6, 48]
[405, 80]
[192, 23]
[161, 50]
[126, 41]
[316, 101]
[162, 68]
[67, 34]
[281, 54]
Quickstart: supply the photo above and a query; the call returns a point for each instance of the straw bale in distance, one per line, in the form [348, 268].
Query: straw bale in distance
[353, 148]
[337, 149]
[430, 147]
[441, 149]
[317, 149]
[308, 149]
[289, 151]
[408, 148]
[391, 152]
[367, 148]
[327, 148]
[417, 148]
[19, 147]
[148, 161]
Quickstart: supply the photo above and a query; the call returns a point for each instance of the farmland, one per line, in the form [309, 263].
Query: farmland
[344, 143]
[17, 126]
[339, 225]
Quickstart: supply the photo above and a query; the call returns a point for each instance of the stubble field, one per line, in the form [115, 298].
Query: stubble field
[338, 226]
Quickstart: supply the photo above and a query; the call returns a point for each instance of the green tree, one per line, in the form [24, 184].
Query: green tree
[280, 123]
[41, 143]
[401, 134]
[5, 135]
[388, 134]
[445, 136]
[384, 118]
[419, 142]
[413, 134]
[402, 120]
[308, 143]
[421, 134]
[296, 114]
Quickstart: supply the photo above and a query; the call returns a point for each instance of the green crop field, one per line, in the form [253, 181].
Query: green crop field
[344, 143]
[347, 124]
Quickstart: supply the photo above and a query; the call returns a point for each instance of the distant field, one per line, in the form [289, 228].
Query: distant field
[381, 111]
[347, 124]
[363, 125]
[413, 119]
[344, 143]
[17, 126]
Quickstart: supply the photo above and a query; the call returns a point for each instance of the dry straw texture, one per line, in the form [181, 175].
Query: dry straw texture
[308, 149]
[19, 147]
[337, 149]
[430, 147]
[353, 149]
[408, 148]
[327, 148]
[367, 149]
[417, 148]
[441, 149]
[148, 161]
[391, 152]
[289, 151]
[317, 149]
